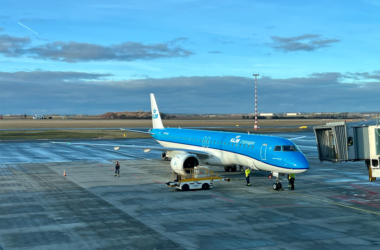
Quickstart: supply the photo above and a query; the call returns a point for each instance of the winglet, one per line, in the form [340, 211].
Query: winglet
[156, 118]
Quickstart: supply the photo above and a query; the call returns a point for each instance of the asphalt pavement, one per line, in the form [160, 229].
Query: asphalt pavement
[334, 206]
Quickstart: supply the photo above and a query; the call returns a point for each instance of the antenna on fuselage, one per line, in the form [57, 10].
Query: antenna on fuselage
[248, 132]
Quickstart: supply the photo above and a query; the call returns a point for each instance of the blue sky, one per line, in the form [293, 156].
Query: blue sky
[197, 56]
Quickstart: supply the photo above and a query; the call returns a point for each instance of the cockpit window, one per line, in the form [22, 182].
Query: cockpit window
[277, 148]
[290, 148]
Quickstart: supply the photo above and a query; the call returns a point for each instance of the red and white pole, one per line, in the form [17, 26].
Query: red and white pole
[256, 100]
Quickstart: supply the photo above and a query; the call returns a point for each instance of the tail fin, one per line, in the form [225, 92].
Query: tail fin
[156, 118]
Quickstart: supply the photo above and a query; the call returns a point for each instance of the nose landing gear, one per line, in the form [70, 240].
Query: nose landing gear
[277, 185]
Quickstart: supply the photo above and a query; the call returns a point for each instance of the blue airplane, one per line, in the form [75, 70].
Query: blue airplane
[189, 148]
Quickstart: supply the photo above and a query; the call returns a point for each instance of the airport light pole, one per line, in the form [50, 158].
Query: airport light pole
[256, 75]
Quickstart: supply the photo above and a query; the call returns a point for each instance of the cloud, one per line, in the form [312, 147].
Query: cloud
[83, 52]
[215, 52]
[307, 42]
[140, 76]
[375, 75]
[12, 46]
[80, 92]
[49, 76]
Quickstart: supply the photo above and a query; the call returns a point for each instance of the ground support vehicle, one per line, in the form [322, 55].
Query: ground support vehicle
[197, 178]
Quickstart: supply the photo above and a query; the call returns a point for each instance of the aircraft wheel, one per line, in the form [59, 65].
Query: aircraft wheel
[205, 186]
[275, 186]
[185, 187]
[233, 169]
[227, 169]
[279, 185]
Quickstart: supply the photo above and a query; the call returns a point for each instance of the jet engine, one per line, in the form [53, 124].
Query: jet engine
[182, 163]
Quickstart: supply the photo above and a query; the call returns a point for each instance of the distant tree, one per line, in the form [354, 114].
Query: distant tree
[123, 117]
[243, 117]
[24, 116]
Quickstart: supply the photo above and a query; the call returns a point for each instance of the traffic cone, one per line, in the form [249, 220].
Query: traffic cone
[64, 172]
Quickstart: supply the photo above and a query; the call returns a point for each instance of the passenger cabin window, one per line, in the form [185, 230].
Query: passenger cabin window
[277, 148]
[290, 148]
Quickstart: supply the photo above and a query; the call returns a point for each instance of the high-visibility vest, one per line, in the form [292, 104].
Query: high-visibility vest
[292, 176]
[247, 172]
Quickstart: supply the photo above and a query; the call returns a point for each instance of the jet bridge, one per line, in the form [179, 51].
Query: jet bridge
[337, 142]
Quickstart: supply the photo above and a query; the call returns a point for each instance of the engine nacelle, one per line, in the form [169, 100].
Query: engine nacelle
[181, 163]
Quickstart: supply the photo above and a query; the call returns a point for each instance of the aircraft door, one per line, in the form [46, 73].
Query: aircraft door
[263, 152]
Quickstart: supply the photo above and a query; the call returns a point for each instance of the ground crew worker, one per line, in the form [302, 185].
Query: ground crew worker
[291, 178]
[247, 172]
[117, 169]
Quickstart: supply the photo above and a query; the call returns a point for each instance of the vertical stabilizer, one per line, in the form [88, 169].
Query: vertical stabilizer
[156, 118]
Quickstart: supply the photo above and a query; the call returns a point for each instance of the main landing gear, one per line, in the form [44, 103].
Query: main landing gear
[277, 185]
[230, 168]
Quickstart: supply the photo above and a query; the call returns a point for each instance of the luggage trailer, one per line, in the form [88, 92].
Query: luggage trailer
[197, 178]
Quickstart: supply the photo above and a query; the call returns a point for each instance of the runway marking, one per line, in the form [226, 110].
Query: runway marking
[222, 198]
[136, 176]
[100, 165]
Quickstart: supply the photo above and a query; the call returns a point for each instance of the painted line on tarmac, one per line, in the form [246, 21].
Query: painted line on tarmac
[363, 189]
[330, 202]
[222, 198]
[287, 205]
[114, 151]
[136, 176]
[159, 182]
[338, 204]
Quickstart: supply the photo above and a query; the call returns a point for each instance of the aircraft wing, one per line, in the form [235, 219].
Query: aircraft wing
[201, 154]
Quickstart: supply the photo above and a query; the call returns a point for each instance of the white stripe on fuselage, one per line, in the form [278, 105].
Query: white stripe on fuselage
[225, 158]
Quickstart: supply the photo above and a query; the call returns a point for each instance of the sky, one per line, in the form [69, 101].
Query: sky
[92, 57]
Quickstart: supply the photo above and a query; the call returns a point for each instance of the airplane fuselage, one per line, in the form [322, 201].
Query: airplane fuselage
[263, 152]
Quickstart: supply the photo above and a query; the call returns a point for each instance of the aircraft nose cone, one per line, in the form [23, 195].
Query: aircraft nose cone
[300, 162]
[303, 162]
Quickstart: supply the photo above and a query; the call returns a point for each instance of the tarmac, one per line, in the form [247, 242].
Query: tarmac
[333, 206]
